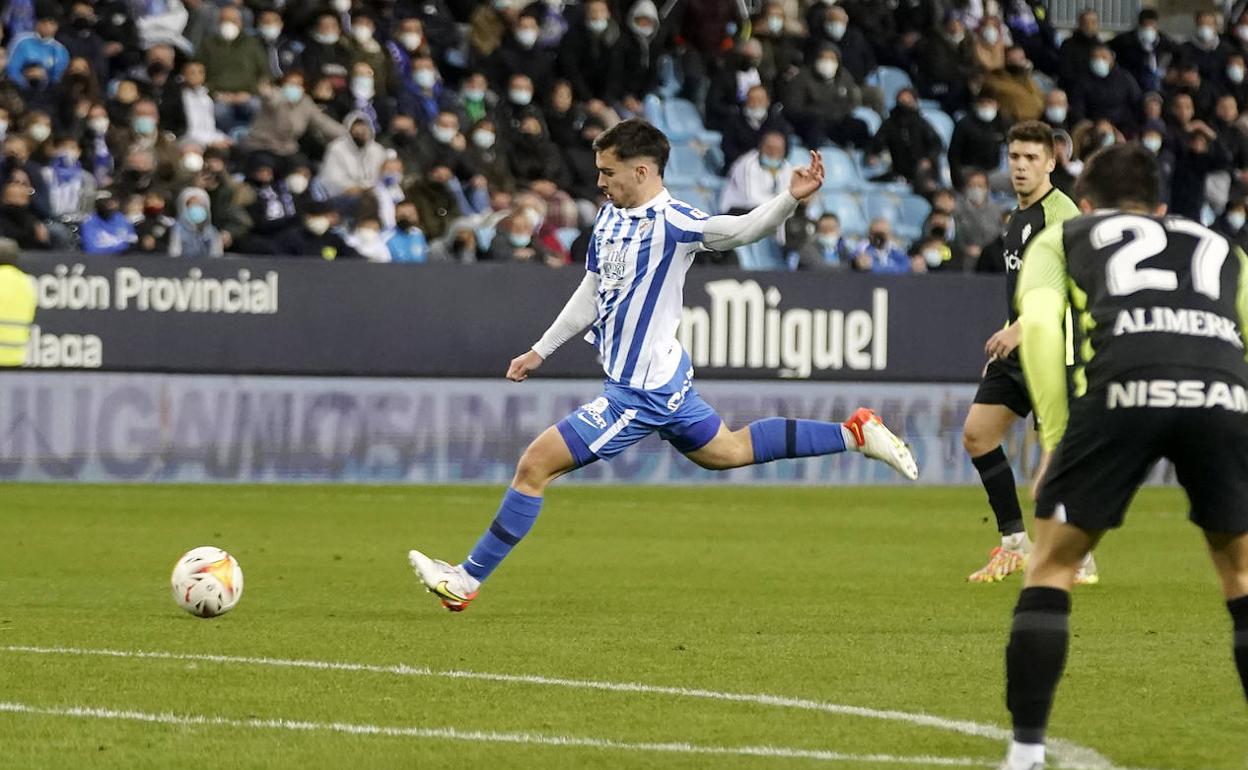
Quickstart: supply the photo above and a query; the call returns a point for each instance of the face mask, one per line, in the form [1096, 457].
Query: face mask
[1075, 167]
[360, 141]
[411, 40]
[597, 26]
[957, 38]
[519, 240]
[367, 235]
[1206, 34]
[771, 163]
[991, 35]
[1148, 36]
[775, 24]
[293, 93]
[878, 240]
[4, 127]
[390, 180]
[318, 225]
[1100, 67]
[527, 38]
[502, 5]
[362, 34]
[105, 210]
[271, 32]
[976, 195]
[1235, 74]
[40, 132]
[296, 183]
[229, 31]
[474, 94]
[406, 223]
[483, 139]
[1055, 114]
[342, 6]
[1236, 219]
[826, 68]
[68, 157]
[986, 114]
[363, 87]
[1242, 32]
[835, 29]
[1152, 143]
[326, 38]
[829, 241]
[756, 114]
[145, 125]
[443, 134]
[194, 162]
[425, 78]
[520, 98]
[197, 214]
[933, 257]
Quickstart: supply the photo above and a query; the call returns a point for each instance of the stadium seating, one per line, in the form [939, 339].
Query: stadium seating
[841, 169]
[941, 122]
[761, 255]
[890, 80]
[870, 117]
[685, 166]
[848, 209]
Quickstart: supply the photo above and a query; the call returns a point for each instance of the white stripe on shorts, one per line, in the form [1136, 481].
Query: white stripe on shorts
[615, 428]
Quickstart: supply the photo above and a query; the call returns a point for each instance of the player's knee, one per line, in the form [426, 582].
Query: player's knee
[975, 441]
[532, 475]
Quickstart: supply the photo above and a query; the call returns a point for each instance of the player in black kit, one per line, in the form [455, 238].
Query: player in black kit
[1002, 396]
[1160, 311]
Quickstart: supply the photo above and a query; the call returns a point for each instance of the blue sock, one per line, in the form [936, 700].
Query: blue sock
[777, 437]
[513, 521]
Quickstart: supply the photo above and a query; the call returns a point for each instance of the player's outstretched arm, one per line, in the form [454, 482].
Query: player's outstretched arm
[729, 232]
[579, 312]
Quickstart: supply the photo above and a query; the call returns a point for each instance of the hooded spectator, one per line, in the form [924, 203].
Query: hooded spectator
[193, 235]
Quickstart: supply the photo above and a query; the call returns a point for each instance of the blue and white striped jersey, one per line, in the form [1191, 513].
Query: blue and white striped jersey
[641, 256]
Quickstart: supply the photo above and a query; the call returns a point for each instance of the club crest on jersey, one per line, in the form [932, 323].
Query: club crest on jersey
[591, 413]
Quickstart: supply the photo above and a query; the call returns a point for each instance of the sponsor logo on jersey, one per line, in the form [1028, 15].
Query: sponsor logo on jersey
[1172, 320]
[1013, 261]
[1026, 232]
[678, 397]
[1177, 394]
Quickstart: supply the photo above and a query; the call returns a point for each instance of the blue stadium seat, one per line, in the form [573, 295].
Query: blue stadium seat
[848, 209]
[942, 123]
[669, 83]
[761, 255]
[566, 236]
[915, 208]
[868, 116]
[929, 104]
[890, 80]
[683, 120]
[652, 107]
[694, 196]
[904, 213]
[684, 166]
[841, 169]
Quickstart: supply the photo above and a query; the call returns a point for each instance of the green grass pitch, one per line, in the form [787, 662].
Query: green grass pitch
[841, 596]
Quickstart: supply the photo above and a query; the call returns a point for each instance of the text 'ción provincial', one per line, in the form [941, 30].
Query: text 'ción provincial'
[70, 288]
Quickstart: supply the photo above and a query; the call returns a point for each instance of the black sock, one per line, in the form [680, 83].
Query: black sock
[1239, 614]
[1034, 659]
[998, 480]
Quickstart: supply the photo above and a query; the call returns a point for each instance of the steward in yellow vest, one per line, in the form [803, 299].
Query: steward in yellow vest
[17, 306]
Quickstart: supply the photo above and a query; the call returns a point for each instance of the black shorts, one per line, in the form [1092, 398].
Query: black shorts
[1106, 454]
[1003, 384]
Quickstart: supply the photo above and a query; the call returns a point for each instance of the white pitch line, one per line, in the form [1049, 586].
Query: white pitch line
[474, 736]
[1064, 754]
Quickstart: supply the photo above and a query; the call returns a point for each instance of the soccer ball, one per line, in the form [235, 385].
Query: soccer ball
[207, 582]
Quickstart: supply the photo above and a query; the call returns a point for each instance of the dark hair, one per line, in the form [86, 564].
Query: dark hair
[1119, 175]
[1149, 14]
[1031, 131]
[635, 138]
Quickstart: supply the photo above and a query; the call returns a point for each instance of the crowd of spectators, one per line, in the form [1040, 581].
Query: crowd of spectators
[460, 130]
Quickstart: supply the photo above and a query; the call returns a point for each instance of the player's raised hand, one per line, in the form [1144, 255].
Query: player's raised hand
[808, 179]
[522, 364]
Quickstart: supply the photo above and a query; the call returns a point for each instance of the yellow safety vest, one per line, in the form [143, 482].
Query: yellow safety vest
[17, 312]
